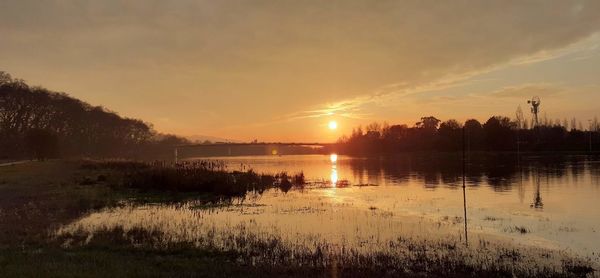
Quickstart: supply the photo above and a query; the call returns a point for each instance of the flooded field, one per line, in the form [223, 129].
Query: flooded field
[544, 207]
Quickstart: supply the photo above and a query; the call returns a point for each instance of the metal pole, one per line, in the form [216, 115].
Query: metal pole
[590, 141]
[176, 155]
[464, 166]
[518, 143]
[590, 134]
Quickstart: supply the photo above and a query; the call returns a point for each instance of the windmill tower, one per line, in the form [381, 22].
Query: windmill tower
[535, 109]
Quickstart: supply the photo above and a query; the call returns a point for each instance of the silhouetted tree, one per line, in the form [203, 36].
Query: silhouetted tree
[41, 143]
[428, 123]
[498, 134]
[450, 136]
[79, 128]
[474, 135]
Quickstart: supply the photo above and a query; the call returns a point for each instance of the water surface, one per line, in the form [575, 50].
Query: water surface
[546, 201]
[555, 198]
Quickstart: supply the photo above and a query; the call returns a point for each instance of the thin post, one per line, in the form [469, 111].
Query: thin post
[176, 155]
[518, 143]
[464, 166]
[590, 140]
[590, 136]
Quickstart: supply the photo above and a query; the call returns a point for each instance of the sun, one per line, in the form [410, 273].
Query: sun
[332, 125]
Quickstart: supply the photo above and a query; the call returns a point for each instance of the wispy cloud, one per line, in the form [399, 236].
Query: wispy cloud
[528, 90]
[585, 49]
[385, 96]
[347, 108]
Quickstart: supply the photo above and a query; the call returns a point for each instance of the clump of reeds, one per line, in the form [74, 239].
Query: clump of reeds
[207, 177]
[517, 229]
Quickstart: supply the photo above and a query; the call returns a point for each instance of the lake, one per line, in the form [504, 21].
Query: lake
[550, 202]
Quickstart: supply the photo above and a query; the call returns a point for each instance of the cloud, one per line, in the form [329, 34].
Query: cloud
[255, 61]
[528, 91]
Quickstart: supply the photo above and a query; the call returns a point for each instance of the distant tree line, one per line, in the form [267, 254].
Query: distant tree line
[498, 133]
[38, 123]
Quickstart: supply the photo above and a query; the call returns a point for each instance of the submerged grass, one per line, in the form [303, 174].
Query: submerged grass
[517, 229]
[399, 257]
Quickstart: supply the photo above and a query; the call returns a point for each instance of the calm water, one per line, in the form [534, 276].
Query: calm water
[557, 199]
[549, 202]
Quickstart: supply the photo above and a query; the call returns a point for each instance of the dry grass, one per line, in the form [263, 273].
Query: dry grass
[399, 257]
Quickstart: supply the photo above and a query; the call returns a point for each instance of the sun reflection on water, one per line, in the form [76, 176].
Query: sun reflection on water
[333, 158]
[334, 174]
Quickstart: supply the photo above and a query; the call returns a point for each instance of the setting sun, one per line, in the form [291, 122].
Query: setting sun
[332, 125]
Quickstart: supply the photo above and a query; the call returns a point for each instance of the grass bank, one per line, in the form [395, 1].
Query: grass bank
[37, 198]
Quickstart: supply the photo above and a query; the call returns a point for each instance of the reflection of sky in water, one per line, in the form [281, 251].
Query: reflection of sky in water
[555, 200]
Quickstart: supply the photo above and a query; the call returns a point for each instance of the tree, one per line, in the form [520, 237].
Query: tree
[474, 134]
[5, 78]
[41, 143]
[78, 127]
[428, 123]
[450, 135]
[498, 133]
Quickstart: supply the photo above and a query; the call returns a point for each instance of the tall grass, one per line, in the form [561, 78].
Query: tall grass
[401, 257]
[205, 177]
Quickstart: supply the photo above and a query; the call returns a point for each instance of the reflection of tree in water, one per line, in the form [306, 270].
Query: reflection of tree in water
[594, 169]
[369, 170]
[577, 169]
[521, 187]
[502, 172]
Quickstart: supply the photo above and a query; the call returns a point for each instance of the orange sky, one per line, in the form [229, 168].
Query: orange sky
[281, 70]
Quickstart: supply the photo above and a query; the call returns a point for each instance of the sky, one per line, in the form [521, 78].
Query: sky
[281, 70]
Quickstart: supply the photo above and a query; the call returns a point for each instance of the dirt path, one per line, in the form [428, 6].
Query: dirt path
[14, 163]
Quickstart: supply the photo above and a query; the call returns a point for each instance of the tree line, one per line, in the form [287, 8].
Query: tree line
[38, 123]
[498, 133]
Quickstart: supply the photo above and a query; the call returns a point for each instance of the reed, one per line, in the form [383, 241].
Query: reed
[207, 177]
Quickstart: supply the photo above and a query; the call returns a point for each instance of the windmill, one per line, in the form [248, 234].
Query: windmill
[535, 109]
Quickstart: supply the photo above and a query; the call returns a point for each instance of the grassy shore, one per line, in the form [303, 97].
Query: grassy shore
[37, 198]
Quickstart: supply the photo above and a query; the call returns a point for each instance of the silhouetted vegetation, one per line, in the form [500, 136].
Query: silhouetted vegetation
[38, 123]
[496, 134]
[41, 143]
[207, 177]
